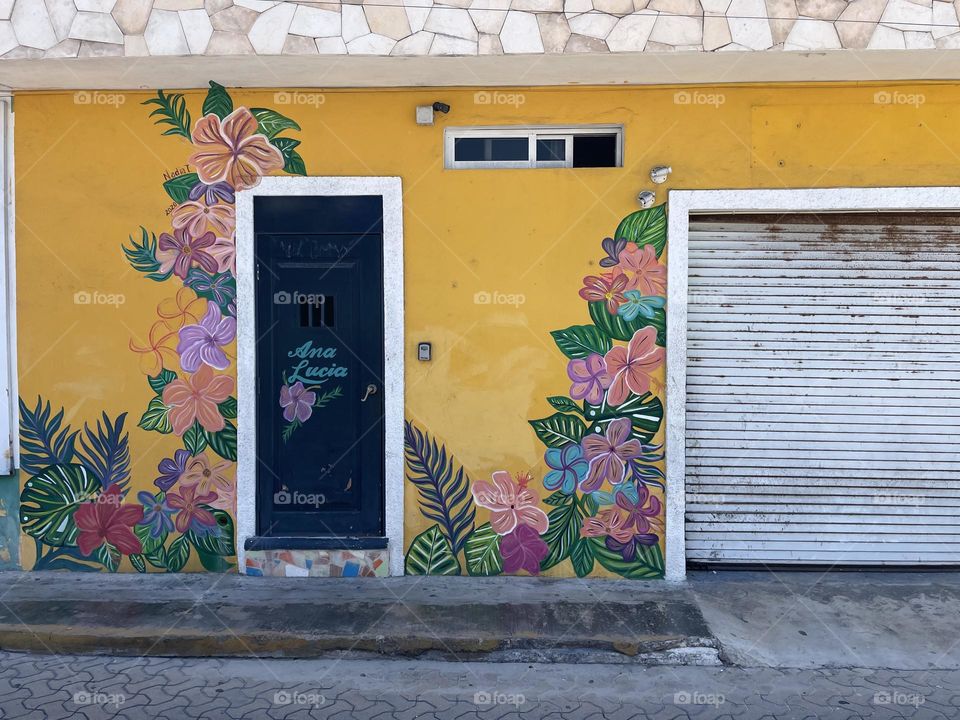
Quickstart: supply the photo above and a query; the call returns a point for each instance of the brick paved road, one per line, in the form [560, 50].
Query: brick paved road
[105, 687]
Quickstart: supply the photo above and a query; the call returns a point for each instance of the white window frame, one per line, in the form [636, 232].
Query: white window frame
[532, 133]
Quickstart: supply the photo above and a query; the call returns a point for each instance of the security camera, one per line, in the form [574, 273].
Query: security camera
[646, 199]
[441, 107]
[660, 173]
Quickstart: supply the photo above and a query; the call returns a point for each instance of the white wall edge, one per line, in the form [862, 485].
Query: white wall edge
[681, 204]
[8, 323]
[390, 189]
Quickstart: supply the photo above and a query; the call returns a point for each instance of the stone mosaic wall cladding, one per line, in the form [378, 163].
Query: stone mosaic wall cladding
[136, 28]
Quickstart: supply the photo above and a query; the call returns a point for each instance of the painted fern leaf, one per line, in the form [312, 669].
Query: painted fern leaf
[105, 452]
[142, 256]
[43, 442]
[444, 488]
[172, 110]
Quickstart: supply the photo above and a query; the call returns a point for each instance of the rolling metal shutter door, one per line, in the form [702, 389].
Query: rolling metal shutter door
[823, 390]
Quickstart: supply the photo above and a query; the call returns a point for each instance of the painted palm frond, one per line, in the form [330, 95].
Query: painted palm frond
[171, 110]
[142, 256]
[44, 441]
[105, 452]
[443, 486]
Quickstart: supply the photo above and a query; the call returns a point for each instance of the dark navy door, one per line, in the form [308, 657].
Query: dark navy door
[320, 437]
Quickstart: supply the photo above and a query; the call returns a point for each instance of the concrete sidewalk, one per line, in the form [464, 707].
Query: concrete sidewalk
[903, 620]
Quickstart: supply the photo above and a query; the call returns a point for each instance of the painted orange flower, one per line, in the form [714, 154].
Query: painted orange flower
[632, 367]
[232, 150]
[184, 309]
[161, 346]
[211, 477]
[195, 397]
[196, 216]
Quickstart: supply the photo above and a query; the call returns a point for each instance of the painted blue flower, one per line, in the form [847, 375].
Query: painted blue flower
[569, 467]
[636, 304]
[221, 288]
[171, 469]
[156, 513]
[627, 488]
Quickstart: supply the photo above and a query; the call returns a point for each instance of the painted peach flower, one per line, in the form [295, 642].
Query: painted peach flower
[608, 455]
[232, 150]
[510, 504]
[211, 477]
[631, 367]
[224, 251]
[607, 522]
[195, 397]
[643, 270]
[196, 217]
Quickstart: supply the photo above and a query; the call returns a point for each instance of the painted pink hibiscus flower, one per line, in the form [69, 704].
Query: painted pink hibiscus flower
[297, 402]
[510, 504]
[590, 378]
[607, 288]
[180, 251]
[203, 343]
[608, 455]
[643, 270]
[631, 367]
[233, 150]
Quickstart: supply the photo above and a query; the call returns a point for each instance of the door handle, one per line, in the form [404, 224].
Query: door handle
[371, 390]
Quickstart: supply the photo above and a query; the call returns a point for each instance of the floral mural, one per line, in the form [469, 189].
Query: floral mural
[77, 504]
[604, 480]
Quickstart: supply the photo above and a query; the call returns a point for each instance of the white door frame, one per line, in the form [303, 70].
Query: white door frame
[680, 205]
[389, 188]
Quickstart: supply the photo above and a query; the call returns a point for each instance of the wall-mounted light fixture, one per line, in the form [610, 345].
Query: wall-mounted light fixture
[646, 199]
[660, 173]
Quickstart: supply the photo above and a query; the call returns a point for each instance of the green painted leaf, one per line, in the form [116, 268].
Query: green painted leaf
[292, 162]
[647, 565]
[157, 558]
[50, 498]
[563, 533]
[139, 564]
[590, 505]
[581, 557]
[142, 256]
[224, 442]
[271, 122]
[159, 382]
[180, 186]
[147, 541]
[109, 556]
[430, 554]
[564, 404]
[645, 413]
[178, 553]
[559, 429]
[228, 408]
[217, 101]
[557, 498]
[214, 563]
[579, 341]
[171, 110]
[645, 227]
[155, 418]
[195, 439]
[482, 552]
[215, 544]
[620, 329]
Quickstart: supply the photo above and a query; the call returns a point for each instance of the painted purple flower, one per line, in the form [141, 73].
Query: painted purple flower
[590, 378]
[177, 253]
[639, 513]
[523, 549]
[156, 514]
[628, 548]
[171, 469]
[608, 455]
[611, 247]
[297, 402]
[221, 288]
[212, 193]
[202, 343]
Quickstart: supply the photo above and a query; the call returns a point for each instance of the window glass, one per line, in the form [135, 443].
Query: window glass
[595, 151]
[552, 150]
[497, 149]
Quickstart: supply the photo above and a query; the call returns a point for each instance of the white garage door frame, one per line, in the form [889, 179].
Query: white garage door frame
[681, 204]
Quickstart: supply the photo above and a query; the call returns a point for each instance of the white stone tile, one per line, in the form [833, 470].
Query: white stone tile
[354, 23]
[716, 32]
[417, 44]
[782, 14]
[6, 9]
[885, 38]
[950, 42]
[944, 16]
[812, 34]
[489, 45]
[32, 25]
[234, 19]
[131, 15]
[521, 34]
[65, 49]
[677, 7]
[313, 22]
[229, 43]
[8, 39]
[572, 8]
[178, 5]
[135, 46]
[715, 6]
[90, 48]
[164, 34]
[919, 41]
[821, 9]
[417, 14]
[387, 20]
[371, 44]
[677, 30]
[904, 15]
[749, 26]
[596, 25]
[331, 46]
[452, 22]
[537, 5]
[197, 28]
[269, 32]
[214, 6]
[446, 45]
[299, 45]
[489, 21]
[585, 44]
[857, 22]
[631, 33]
[102, 6]
[257, 5]
[554, 32]
[617, 7]
[97, 27]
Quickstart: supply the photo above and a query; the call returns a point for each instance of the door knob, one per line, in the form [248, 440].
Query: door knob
[371, 390]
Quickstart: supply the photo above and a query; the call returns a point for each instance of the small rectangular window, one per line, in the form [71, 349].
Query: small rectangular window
[533, 147]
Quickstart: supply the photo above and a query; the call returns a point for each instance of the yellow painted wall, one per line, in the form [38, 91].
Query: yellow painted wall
[89, 174]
